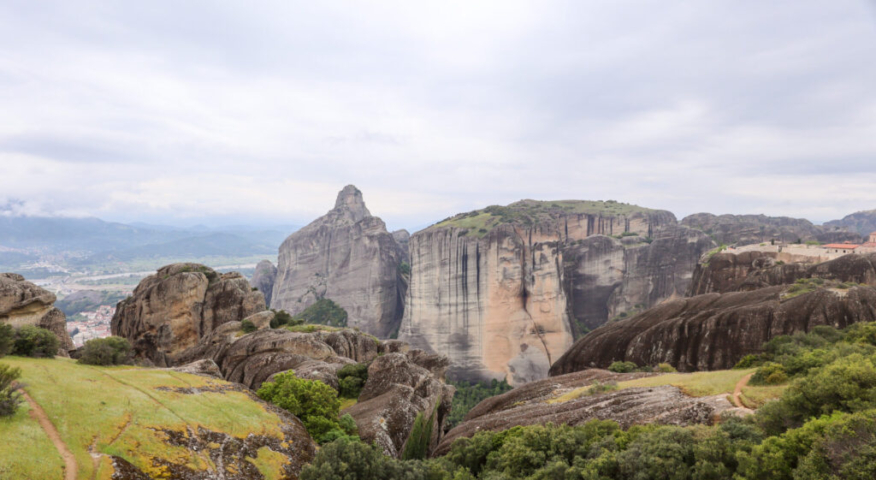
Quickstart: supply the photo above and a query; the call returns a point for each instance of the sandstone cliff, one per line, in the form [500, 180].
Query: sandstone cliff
[263, 279]
[746, 271]
[23, 303]
[173, 309]
[750, 229]
[529, 405]
[348, 257]
[503, 291]
[714, 331]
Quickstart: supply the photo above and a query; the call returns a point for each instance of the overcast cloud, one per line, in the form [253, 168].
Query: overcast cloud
[223, 112]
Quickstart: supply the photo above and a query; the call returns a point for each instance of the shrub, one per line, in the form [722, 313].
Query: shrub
[324, 312]
[35, 342]
[106, 351]
[666, 368]
[350, 459]
[404, 268]
[420, 438]
[622, 367]
[7, 339]
[469, 394]
[351, 379]
[10, 398]
[770, 373]
[247, 326]
[599, 387]
[282, 318]
[748, 361]
[312, 401]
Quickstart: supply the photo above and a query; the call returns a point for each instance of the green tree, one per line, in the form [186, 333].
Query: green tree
[324, 312]
[351, 379]
[106, 351]
[420, 438]
[10, 397]
[247, 326]
[7, 339]
[35, 342]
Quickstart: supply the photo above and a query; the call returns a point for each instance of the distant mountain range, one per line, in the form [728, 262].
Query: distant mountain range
[91, 240]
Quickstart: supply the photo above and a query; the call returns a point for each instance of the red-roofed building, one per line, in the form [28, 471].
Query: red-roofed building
[840, 247]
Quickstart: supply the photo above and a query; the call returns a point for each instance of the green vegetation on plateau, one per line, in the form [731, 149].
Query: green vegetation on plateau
[528, 212]
[324, 312]
[122, 411]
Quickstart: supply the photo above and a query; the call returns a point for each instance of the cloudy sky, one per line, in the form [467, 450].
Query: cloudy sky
[228, 112]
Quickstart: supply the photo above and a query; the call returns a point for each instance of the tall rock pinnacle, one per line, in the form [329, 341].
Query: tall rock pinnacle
[350, 199]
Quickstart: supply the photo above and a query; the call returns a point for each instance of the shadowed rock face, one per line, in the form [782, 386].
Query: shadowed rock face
[508, 300]
[527, 405]
[728, 272]
[23, 303]
[173, 309]
[750, 229]
[348, 257]
[263, 279]
[714, 331]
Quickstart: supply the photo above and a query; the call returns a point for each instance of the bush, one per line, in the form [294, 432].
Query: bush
[351, 379]
[35, 342]
[10, 398]
[106, 351]
[350, 459]
[247, 326]
[324, 312]
[770, 373]
[420, 438]
[622, 367]
[748, 361]
[282, 319]
[469, 394]
[666, 368]
[313, 402]
[7, 339]
[599, 387]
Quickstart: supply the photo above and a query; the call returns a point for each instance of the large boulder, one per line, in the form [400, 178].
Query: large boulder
[172, 310]
[714, 331]
[400, 386]
[349, 257]
[24, 303]
[263, 279]
[536, 403]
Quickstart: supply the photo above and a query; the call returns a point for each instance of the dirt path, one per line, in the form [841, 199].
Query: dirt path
[737, 392]
[71, 470]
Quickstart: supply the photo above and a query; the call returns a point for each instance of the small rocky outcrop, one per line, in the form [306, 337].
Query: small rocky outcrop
[400, 386]
[263, 279]
[172, 310]
[747, 271]
[347, 256]
[752, 229]
[24, 303]
[529, 405]
[714, 331]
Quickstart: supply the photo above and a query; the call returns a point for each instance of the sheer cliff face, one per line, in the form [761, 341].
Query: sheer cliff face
[346, 256]
[506, 301]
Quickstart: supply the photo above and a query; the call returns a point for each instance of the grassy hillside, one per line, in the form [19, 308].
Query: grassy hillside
[528, 212]
[147, 417]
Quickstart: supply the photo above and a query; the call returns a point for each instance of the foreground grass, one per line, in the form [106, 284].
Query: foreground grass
[22, 440]
[121, 411]
[697, 384]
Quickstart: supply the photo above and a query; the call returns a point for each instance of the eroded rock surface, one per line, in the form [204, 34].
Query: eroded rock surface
[714, 331]
[263, 279]
[400, 386]
[24, 303]
[503, 292]
[175, 308]
[528, 405]
[348, 257]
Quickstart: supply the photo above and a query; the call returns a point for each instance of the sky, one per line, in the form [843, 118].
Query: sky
[260, 112]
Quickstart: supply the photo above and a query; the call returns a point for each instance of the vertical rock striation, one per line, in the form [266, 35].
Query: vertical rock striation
[347, 256]
[503, 292]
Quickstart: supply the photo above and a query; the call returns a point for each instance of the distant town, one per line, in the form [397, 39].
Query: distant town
[95, 325]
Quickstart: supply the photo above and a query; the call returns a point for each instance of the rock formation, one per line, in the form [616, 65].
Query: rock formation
[529, 405]
[403, 239]
[348, 257]
[714, 331]
[400, 386]
[746, 271]
[263, 279]
[750, 229]
[173, 309]
[503, 291]
[23, 303]
[862, 222]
